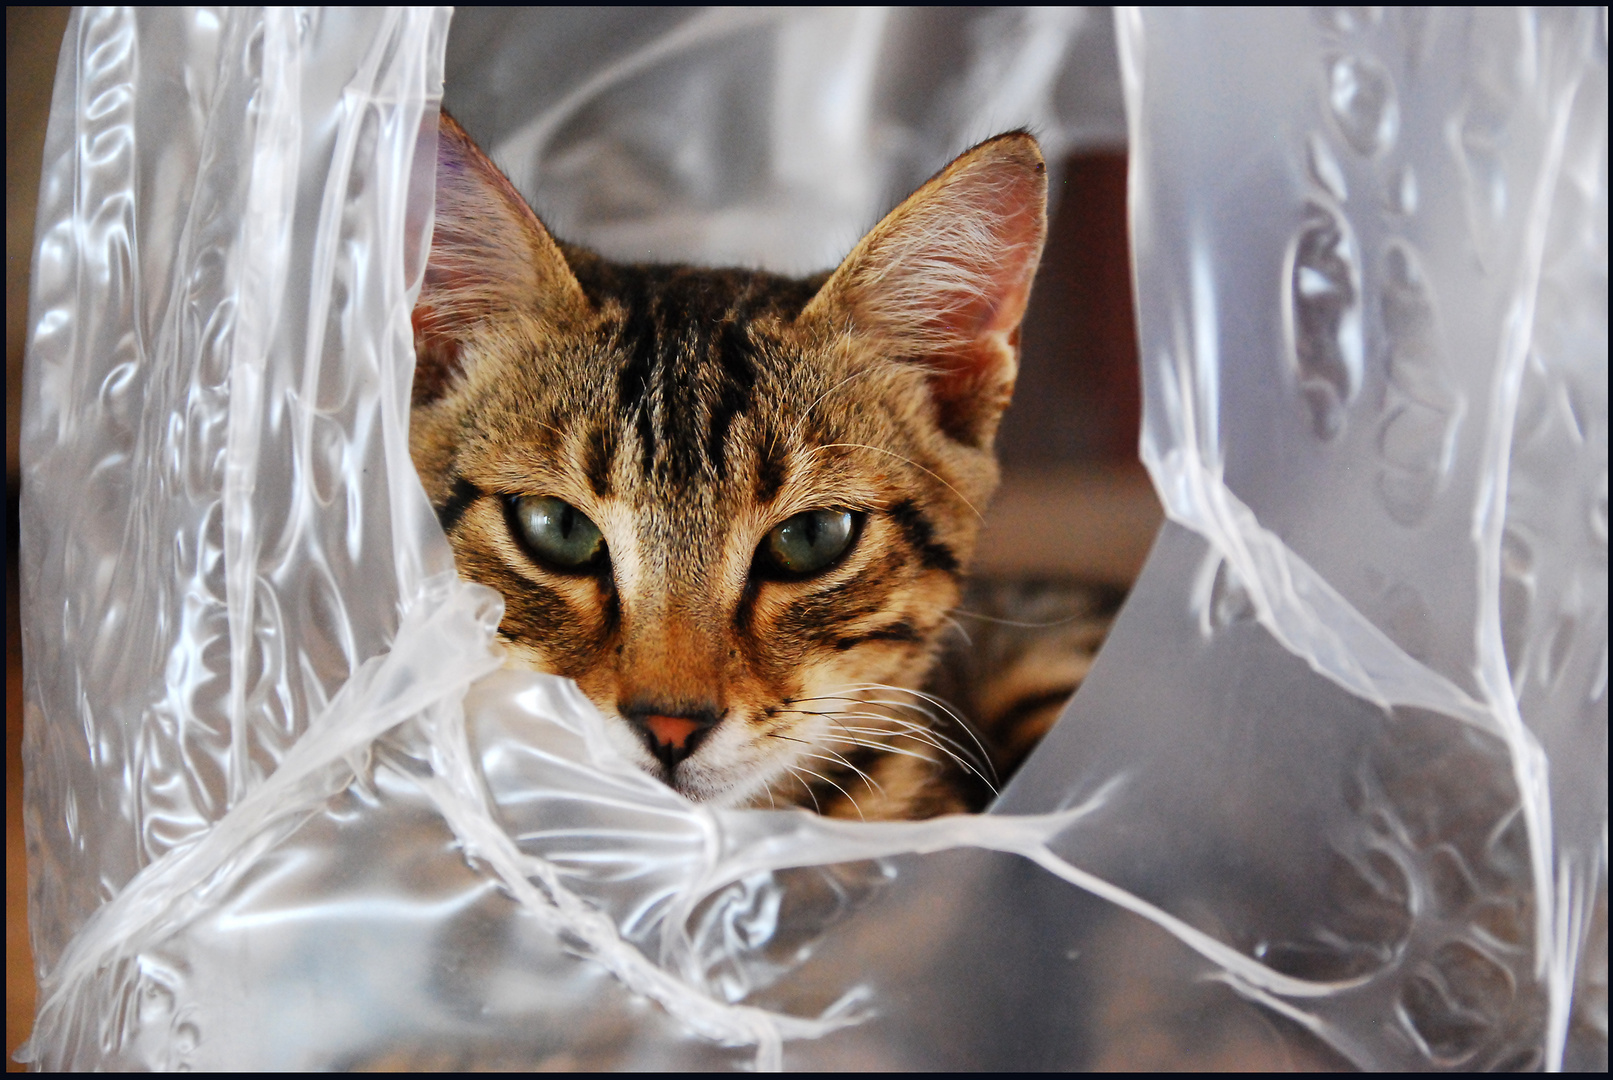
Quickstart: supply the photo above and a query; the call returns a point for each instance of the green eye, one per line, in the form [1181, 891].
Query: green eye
[807, 543]
[555, 532]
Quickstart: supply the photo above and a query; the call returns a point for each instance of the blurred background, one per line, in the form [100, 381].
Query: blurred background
[613, 161]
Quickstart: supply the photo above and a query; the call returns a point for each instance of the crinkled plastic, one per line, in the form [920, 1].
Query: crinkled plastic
[1335, 792]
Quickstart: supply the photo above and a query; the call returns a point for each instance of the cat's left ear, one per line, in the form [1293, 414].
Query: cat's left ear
[943, 280]
[491, 260]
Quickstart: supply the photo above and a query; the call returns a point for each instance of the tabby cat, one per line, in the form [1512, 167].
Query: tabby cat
[736, 507]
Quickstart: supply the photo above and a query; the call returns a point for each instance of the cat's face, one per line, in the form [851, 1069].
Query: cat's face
[729, 505]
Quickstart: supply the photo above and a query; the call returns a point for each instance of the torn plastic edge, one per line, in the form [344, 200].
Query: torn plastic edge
[1301, 610]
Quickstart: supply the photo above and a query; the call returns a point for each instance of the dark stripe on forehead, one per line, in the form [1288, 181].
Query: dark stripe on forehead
[734, 394]
[681, 366]
[459, 499]
[772, 468]
[637, 338]
[689, 364]
[599, 451]
[918, 532]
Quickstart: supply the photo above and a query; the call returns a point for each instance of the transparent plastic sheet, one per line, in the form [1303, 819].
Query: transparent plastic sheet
[1337, 785]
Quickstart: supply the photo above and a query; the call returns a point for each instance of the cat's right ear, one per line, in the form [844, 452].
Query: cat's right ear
[490, 258]
[942, 282]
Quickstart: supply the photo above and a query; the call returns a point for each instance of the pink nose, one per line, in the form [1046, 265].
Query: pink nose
[671, 731]
[671, 736]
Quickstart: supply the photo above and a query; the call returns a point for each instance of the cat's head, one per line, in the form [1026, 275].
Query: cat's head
[728, 504]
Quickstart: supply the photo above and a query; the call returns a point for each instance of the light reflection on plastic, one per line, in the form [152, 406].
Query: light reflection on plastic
[284, 813]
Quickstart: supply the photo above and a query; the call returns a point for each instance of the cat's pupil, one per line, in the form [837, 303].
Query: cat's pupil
[557, 533]
[810, 542]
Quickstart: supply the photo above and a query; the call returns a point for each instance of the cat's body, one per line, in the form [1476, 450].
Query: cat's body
[736, 508]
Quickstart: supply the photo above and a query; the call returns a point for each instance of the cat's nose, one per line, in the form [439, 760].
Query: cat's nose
[671, 735]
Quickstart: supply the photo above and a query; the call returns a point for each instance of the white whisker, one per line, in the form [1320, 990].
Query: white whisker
[959, 627]
[910, 461]
[795, 434]
[973, 763]
[919, 733]
[1016, 622]
[964, 724]
[873, 785]
[805, 785]
[870, 716]
[932, 699]
[835, 757]
[984, 756]
[919, 737]
[886, 747]
[834, 785]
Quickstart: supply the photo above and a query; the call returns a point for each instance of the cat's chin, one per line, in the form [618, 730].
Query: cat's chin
[728, 789]
[754, 795]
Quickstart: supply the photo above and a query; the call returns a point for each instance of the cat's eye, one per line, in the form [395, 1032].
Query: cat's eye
[808, 543]
[556, 533]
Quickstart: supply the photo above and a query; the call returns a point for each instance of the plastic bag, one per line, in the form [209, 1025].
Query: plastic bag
[1334, 793]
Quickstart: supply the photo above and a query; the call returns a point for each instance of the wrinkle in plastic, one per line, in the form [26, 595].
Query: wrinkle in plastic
[1334, 793]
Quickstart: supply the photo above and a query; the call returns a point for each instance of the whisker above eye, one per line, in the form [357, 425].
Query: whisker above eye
[796, 433]
[881, 450]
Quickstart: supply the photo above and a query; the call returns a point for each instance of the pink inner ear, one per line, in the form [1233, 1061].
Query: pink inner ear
[483, 259]
[972, 388]
[436, 351]
[988, 288]
[950, 269]
[970, 289]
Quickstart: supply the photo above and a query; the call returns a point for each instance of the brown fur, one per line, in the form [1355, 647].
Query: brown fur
[687, 412]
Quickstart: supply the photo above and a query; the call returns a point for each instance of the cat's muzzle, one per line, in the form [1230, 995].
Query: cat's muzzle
[671, 736]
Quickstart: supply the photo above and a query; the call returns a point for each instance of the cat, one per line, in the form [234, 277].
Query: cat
[736, 507]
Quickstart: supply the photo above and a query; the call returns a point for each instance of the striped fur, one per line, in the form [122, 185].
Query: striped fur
[687, 412]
